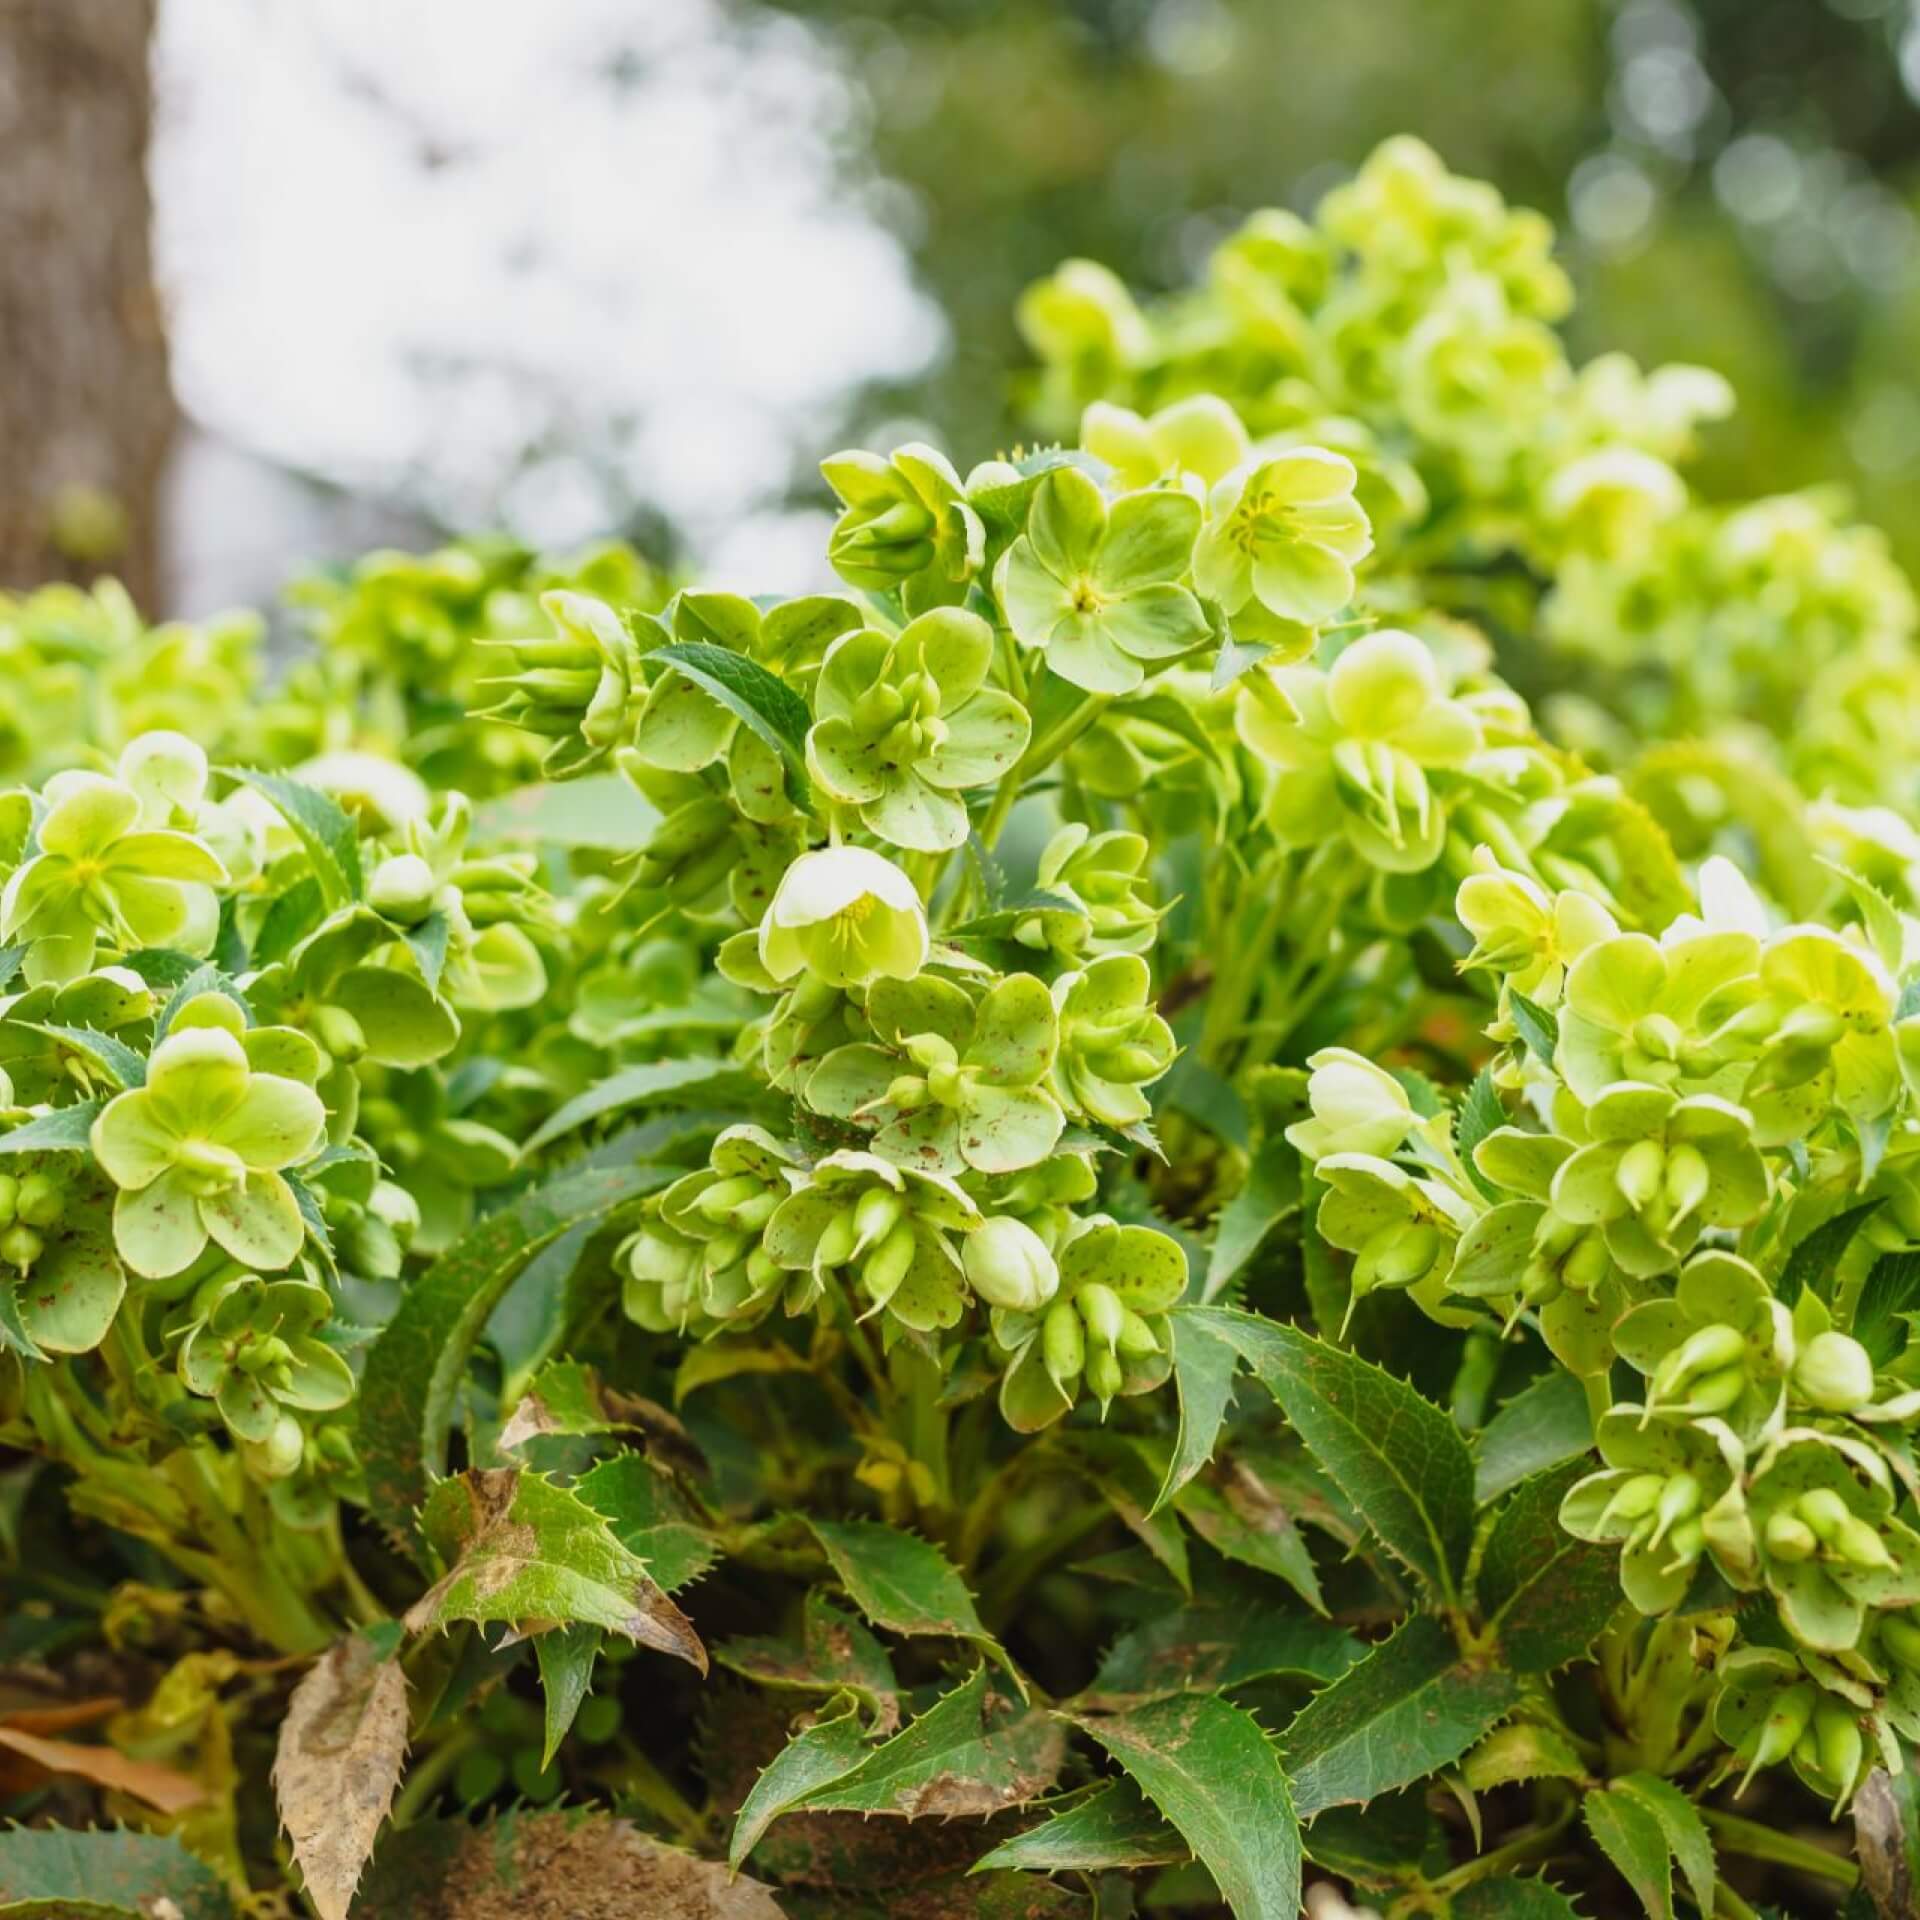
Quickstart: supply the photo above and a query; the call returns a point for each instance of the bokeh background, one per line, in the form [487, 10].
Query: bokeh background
[283, 279]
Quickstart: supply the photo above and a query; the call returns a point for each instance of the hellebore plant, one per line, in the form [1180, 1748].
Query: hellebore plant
[1091, 1159]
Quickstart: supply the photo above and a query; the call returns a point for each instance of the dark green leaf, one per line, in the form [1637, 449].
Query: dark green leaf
[1111, 1828]
[1118, 1468]
[1892, 1289]
[1269, 1194]
[64, 1130]
[323, 827]
[1626, 1831]
[1397, 1457]
[834, 1652]
[415, 1367]
[1542, 1425]
[566, 1656]
[904, 1584]
[824, 1751]
[1213, 1646]
[1240, 1516]
[1412, 1706]
[1544, 1593]
[1513, 1898]
[678, 1082]
[1210, 1768]
[1480, 1113]
[1203, 1370]
[49, 1873]
[650, 1516]
[1686, 1833]
[761, 700]
[1812, 1263]
[1535, 1025]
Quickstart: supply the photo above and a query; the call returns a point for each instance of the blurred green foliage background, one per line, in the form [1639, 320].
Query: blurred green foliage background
[1735, 180]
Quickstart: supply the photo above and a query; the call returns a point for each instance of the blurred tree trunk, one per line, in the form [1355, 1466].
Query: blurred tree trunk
[85, 409]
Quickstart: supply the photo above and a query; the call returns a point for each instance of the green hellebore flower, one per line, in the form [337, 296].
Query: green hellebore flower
[1008, 1265]
[1400, 1228]
[905, 524]
[1768, 1710]
[1096, 587]
[907, 723]
[847, 916]
[1631, 1009]
[198, 1151]
[1825, 1540]
[1476, 377]
[252, 1350]
[1659, 1171]
[1721, 1345]
[887, 1231]
[1105, 877]
[1833, 1373]
[1104, 1327]
[1286, 534]
[1524, 933]
[1354, 746]
[1670, 1491]
[1200, 435]
[1357, 1107]
[1041, 1197]
[972, 1088]
[100, 877]
[661, 1271]
[577, 688]
[1112, 1041]
[723, 1210]
[40, 1063]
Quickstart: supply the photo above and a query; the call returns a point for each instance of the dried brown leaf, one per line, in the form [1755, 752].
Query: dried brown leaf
[146, 1780]
[342, 1747]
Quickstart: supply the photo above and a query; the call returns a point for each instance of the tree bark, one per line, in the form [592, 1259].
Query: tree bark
[86, 411]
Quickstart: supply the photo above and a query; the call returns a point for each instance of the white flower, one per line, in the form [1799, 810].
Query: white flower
[848, 916]
[1357, 1107]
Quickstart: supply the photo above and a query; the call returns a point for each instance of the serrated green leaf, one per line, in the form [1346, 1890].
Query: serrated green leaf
[1239, 1516]
[1269, 1194]
[1203, 1370]
[203, 977]
[1397, 1457]
[1626, 1831]
[1513, 1898]
[55, 1871]
[1380, 1846]
[428, 940]
[709, 1081]
[1812, 1263]
[1412, 1706]
[1545, 1594]
[650, 1516]
[825, 1750]
[114, 1058]
[1118, 1468]
[833, 1653]
[759, 699]
[64, 1130]
[1480, 1113]
[1113, 1828]
[1535, 1025]
[519, 1549]
[323, 827]
[1686, 1833]
[566, 1657]
[1891, 1289]
[414, 1369]
[905, 1584]
[1542, 1425]
[1213, 1646]
[1211, 1770]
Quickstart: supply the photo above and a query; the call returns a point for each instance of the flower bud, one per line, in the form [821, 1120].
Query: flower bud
[1687, 1180]
[1008, 1265]
[1137, 1338]
[1789, 1538]
[1679, 1500]
[1825, 1512]
[1708, 1350]
[888, 1264]
[1635, 1499]
[1901, 1639]
[40, 1202]
[1105, 1375]
[1102, 1313]
[1861, 1546]
[837, 1242]
[9, 1198]
[339, 1033]
[1780, 1731]
[1641, 1173]
[1834, 1373]
[20, 1246]
[1840, 1743]
[1588, 1265]
[875, 1215]
[402, 889]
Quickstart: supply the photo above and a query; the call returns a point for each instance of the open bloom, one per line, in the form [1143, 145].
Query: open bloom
[1286, 533]
[847, 915]
[198, 1151]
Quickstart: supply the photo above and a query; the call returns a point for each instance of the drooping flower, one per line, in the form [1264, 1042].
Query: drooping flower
[847, 915]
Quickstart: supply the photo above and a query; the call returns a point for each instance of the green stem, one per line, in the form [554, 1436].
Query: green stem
[922, 1419]
[430, 1774]
[1769, 1844]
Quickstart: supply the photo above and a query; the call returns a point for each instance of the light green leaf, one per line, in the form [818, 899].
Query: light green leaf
[415, 1367]
[655, 1082]
[1203, 1370]
[108, 1056]
[323, 827]
[834, 1652]
[1626, 1831]
[1412, 1706]
[520, 1549]
[64, 1130]
[1210, 1768]
[1113, 1828]
[650, 1516]
[1397, 1457]
[1686, 1833]
[763, 701]
[1542, 1425]
[1545, 1594]
[904, 1584]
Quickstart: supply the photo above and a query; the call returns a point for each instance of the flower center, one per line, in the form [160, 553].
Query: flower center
[1087, 598]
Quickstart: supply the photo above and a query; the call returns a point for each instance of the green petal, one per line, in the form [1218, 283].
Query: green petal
[1004, 1130]
[1150, 538]
[250, 1411]
[1034, 600]
[849, 768]
[985, 738]
[854, 663]
[68, 1301]
[955, 649]
[682, 727]
[164, 856]
[131, 1141]
[1015, 1032]
[1155, 623]
[1302, 581]
[88, 815]
[259, 1224]
[319, 1379]
[850, 1078]
[1082, 652]
[933, 1295]
[1221, 568]
[1585, 1191]
[1066, 522]
[912, 814]
[158, 1229]
[276, 1123]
